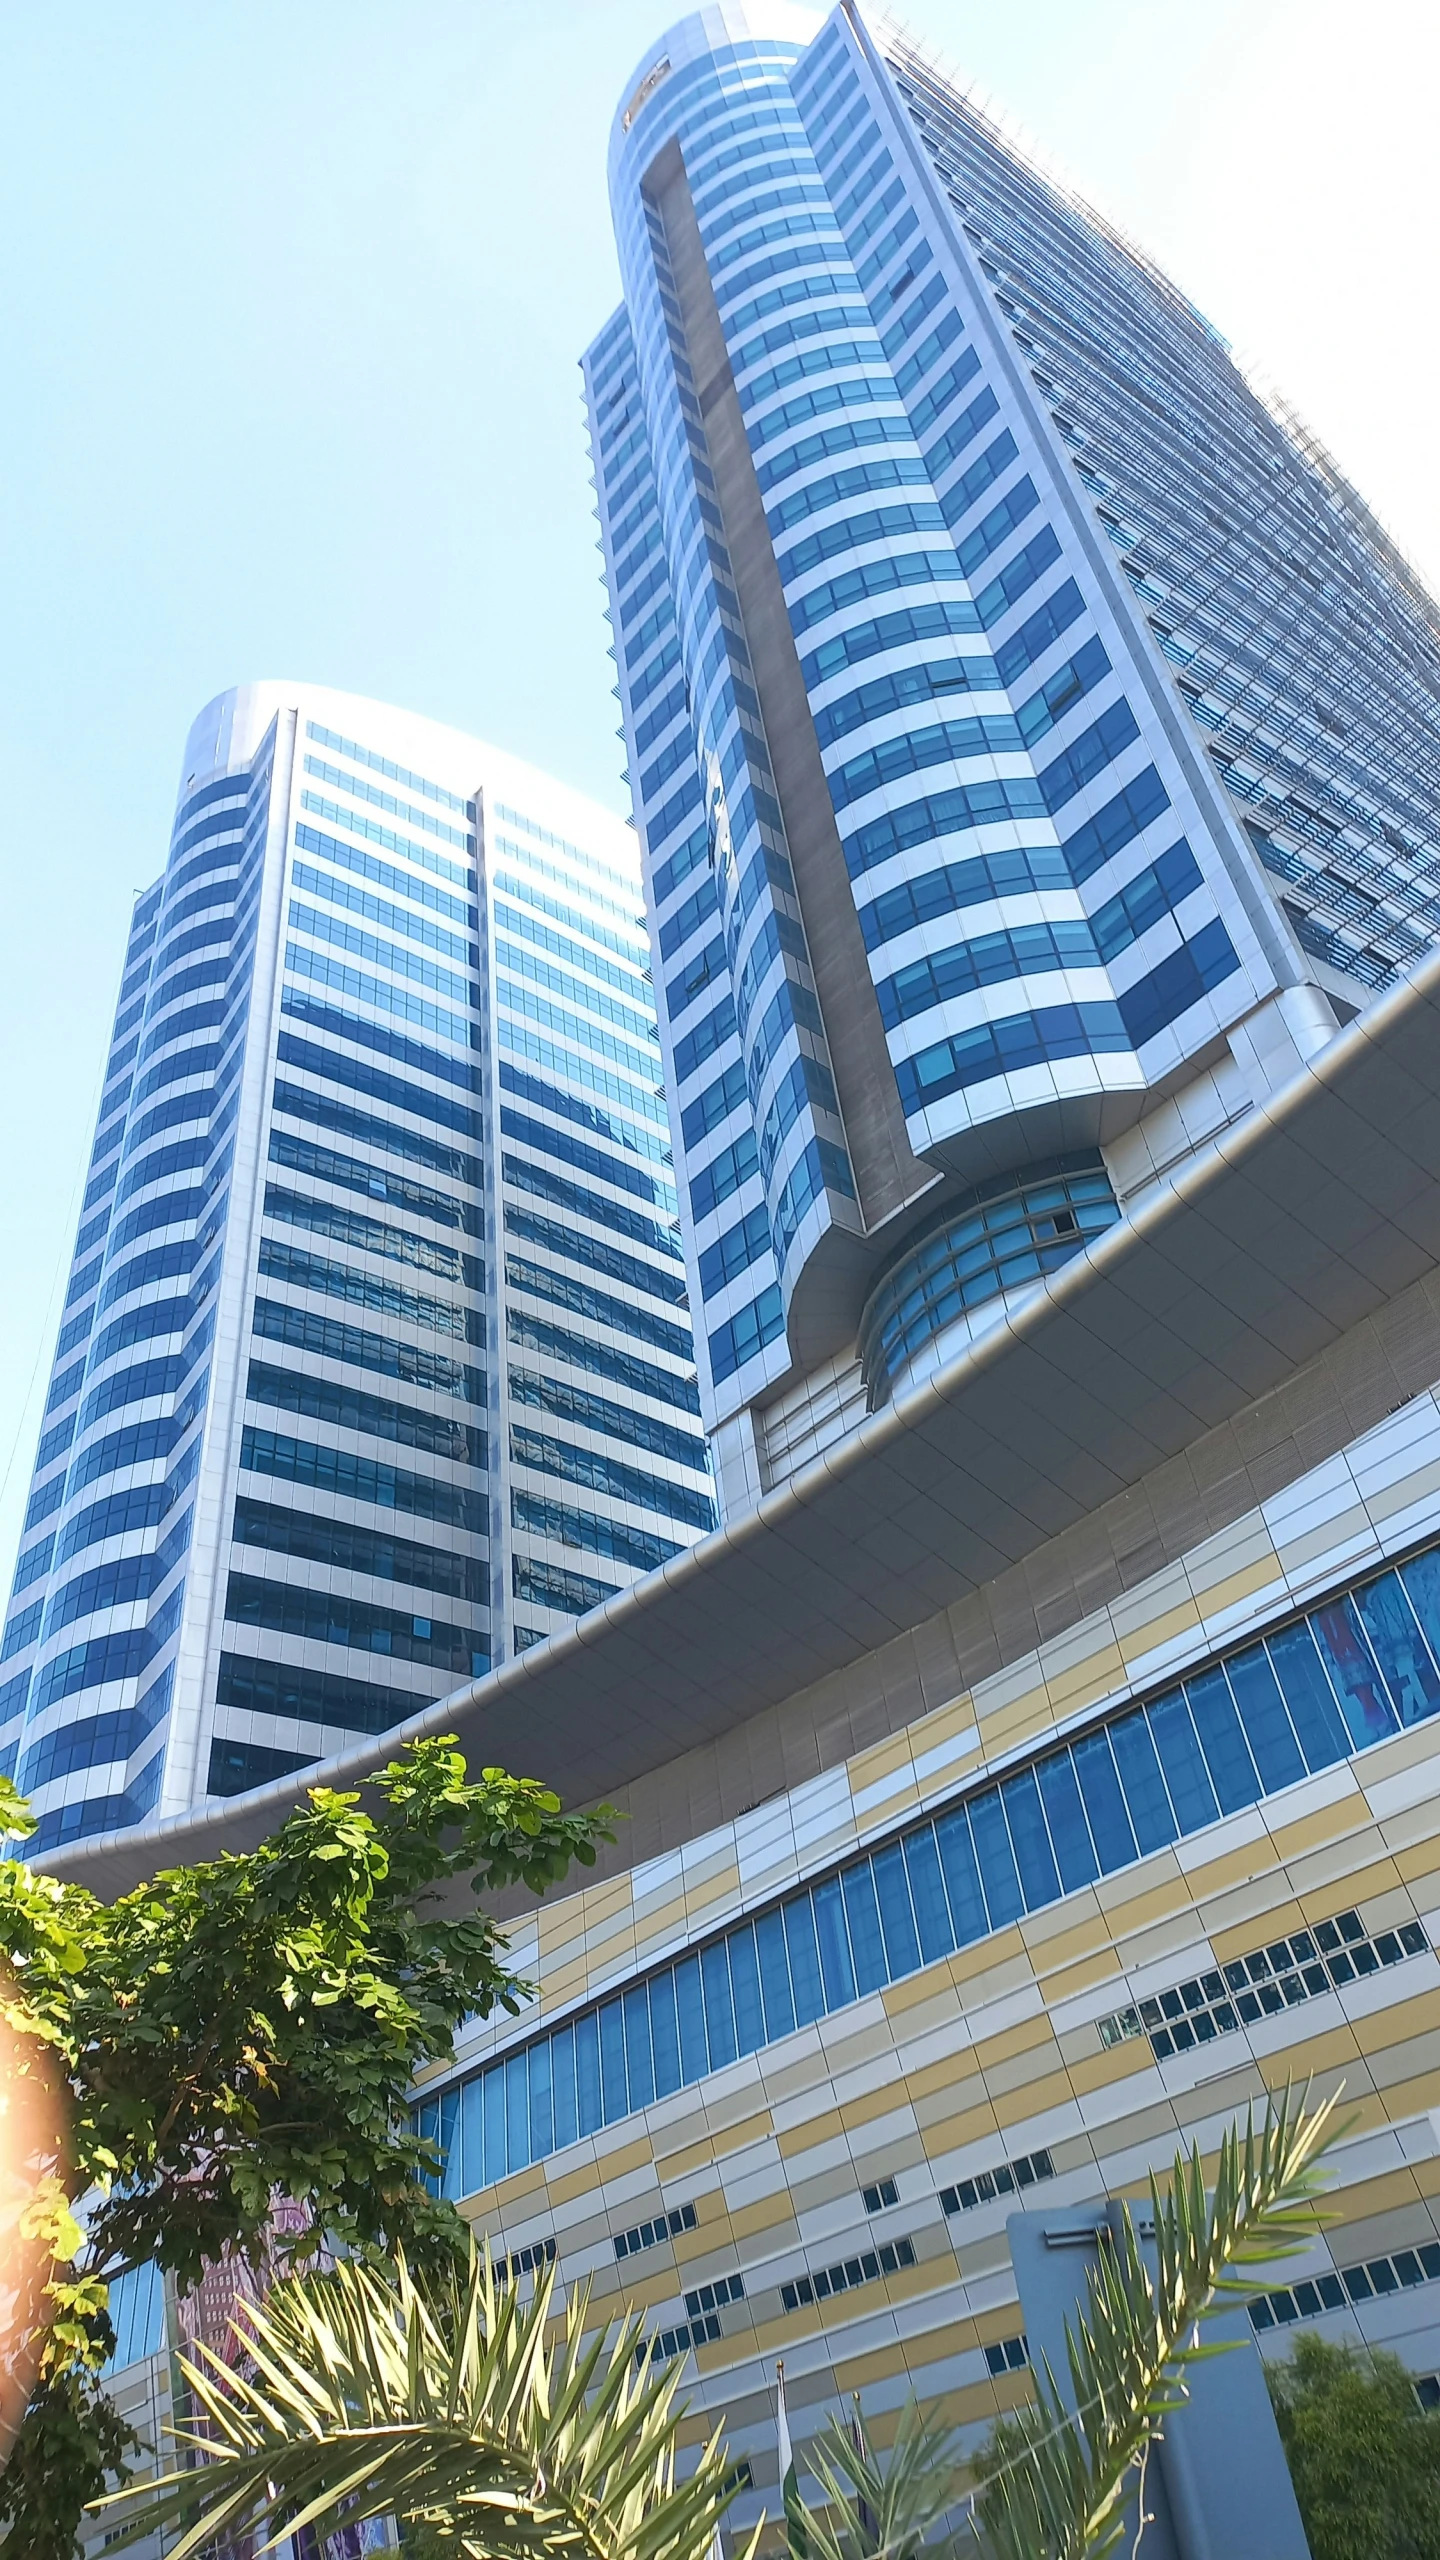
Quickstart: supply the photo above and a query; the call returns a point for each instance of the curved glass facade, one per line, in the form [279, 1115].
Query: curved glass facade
[1006, 1235]
[430, 1389]
[976, 634]
[922, 857]
[116, 1473]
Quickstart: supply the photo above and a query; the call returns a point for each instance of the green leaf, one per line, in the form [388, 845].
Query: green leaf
[481, 2426]
[1056, 2486]
[255, 2023]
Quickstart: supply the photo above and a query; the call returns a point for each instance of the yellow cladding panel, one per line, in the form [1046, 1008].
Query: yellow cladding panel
[563, 1983]
[842, 2308]
[1405, 2098]
[594, 2174]
[1020, 2100]
[1419, 2016]
[870, 1768]
[1277, 1921]
[590, 1909]
[1141, 1897]
[507, 2195]
[723, 1885]
[992, 1966]
[882, 2365]
[866, 2107]
[1220, 1875]
[1321, 1828]
[1079, 1684]
[1372, 2197]
[1102, 1966]
[1067, 1930]
[1023, 2037]
[746, 2222]
[661, 1918]
[965, 2124]
[643, 2292]
[1417, 1865]
[1109, 2065]
[928, 1733]
[697, 2155]
[1334, 1884]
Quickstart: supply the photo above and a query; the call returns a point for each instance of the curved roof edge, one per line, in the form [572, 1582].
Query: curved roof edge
[1284, 1233]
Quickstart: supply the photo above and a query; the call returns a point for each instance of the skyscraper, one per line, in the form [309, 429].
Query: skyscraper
[375, 1365]
[1045, 1768]
[1033, 736]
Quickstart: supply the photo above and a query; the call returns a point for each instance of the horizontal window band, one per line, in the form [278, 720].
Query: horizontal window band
[1316, 1688]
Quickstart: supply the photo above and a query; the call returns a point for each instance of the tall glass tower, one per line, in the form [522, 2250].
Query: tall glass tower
[1033, 735]
[375, 1364]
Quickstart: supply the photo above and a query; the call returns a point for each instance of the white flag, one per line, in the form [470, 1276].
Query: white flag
[796, 2538]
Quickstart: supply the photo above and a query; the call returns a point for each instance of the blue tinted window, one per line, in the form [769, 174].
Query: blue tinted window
[472, 2135]
[1183, 1762]
[1227, 1755]
[927, 1891]
[639, 2065]
[1421, 1577]
[863, 1913]
[614, 2094]
[1110, 1825]
[836, 1970]
[587, 2073]
[745, 1987]
[897, 1919]
[719, 2006]
[665, 2035]
[804, 1961]
[567, 2120]
[1309, 1696]
[1030, 1839]
[542, 2110]
[495, 2152]
[689, 2001]
[1003, 1896]
[1399, 1648]
[517, 2112]
[775, 1975]
[1363, 1703]
[1262, 1711]
[1069, 1831]
[1145, 1789]
[961, 1872]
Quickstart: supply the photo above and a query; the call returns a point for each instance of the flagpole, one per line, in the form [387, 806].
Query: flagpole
[796, 2537]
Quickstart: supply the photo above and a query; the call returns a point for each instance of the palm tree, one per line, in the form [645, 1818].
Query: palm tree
[1055, 2478]
[485, 2438]
[1056, 2485]
[488, 2430]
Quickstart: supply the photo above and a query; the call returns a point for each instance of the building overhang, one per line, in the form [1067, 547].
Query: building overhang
[1290, 1229]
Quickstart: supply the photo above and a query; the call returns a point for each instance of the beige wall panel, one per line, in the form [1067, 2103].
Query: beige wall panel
[723, 2138]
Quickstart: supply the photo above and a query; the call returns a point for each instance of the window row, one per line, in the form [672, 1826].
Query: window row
[1361, 1666]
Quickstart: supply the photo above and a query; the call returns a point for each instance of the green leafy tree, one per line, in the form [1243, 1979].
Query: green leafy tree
[1364, 2456]
[244, 2028]
[489, 2430]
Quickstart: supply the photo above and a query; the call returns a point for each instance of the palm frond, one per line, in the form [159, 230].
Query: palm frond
[874, 2509]
[498, 2429]
[1059, 2492]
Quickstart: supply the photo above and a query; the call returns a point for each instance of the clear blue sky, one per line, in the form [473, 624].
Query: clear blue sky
[290, 306]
